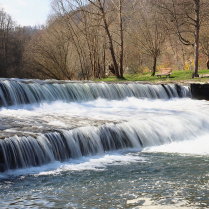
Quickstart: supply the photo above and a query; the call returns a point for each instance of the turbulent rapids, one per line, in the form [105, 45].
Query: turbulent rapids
[61, 144]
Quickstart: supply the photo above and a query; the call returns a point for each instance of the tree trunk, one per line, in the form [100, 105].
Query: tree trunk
[154, 66]
[104, 60]
[110, 41]
[112, 50]
[121, 40]
[197, 28]
[208, 63]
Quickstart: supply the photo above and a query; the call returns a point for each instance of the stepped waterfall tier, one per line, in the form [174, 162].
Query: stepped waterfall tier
[70, 144]
[16, 92]
[21, 152]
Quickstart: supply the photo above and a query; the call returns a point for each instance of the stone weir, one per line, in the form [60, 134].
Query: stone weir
[24, 91]
[15, 92]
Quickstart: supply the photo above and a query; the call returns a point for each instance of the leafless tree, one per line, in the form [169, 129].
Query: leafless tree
[65, 12]
[185, 18]
[48, 51]
[204, 43]
[6, 26]
[90, 29]
[147, 32]
[102, 10]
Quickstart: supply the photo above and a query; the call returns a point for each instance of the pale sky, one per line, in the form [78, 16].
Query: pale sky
[27, 12]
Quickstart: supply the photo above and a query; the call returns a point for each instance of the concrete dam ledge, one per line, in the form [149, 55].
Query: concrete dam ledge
[200, 91]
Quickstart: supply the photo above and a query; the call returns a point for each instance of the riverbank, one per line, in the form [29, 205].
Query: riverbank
[182, 77]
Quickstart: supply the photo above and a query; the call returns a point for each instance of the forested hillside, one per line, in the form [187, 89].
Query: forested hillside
[84, 39]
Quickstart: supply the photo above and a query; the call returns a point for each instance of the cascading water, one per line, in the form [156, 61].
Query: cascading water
[17, 92]
[98, 145]
[20, 152]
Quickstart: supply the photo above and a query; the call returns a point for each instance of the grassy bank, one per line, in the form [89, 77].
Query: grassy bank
[175, 76]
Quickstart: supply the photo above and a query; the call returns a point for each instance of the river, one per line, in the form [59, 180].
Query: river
[127, 152]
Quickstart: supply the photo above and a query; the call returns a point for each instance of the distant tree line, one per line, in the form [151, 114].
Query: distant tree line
[12, 46]
[86, 39]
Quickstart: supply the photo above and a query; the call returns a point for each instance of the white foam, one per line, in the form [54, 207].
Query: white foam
[199, 146]
[148, 203]
[102, 109]
[85, 163]
[177, 117]
[57, 123]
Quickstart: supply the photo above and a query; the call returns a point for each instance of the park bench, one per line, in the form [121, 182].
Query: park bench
[164, 71]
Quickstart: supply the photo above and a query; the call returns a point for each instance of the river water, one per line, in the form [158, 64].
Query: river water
[169, 169]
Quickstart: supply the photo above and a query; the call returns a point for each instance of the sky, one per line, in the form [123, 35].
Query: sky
[27, 12]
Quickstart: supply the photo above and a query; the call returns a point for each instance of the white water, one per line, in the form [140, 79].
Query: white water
[92, 152]
[172, 120]
[198, 146]
[195, 147]
[17, 92]
[96, 163]
[61, 114]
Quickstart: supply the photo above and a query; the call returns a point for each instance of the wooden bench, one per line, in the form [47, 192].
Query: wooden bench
[164, 71]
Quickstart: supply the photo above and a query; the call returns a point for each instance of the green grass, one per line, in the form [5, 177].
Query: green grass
[184, 75]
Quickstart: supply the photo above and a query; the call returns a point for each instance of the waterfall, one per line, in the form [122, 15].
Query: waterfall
[17, 91]
[61, 145]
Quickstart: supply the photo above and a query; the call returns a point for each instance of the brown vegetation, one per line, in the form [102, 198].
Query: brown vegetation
[83, 39]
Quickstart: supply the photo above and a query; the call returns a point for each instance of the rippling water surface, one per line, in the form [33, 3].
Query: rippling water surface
[172, 175]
